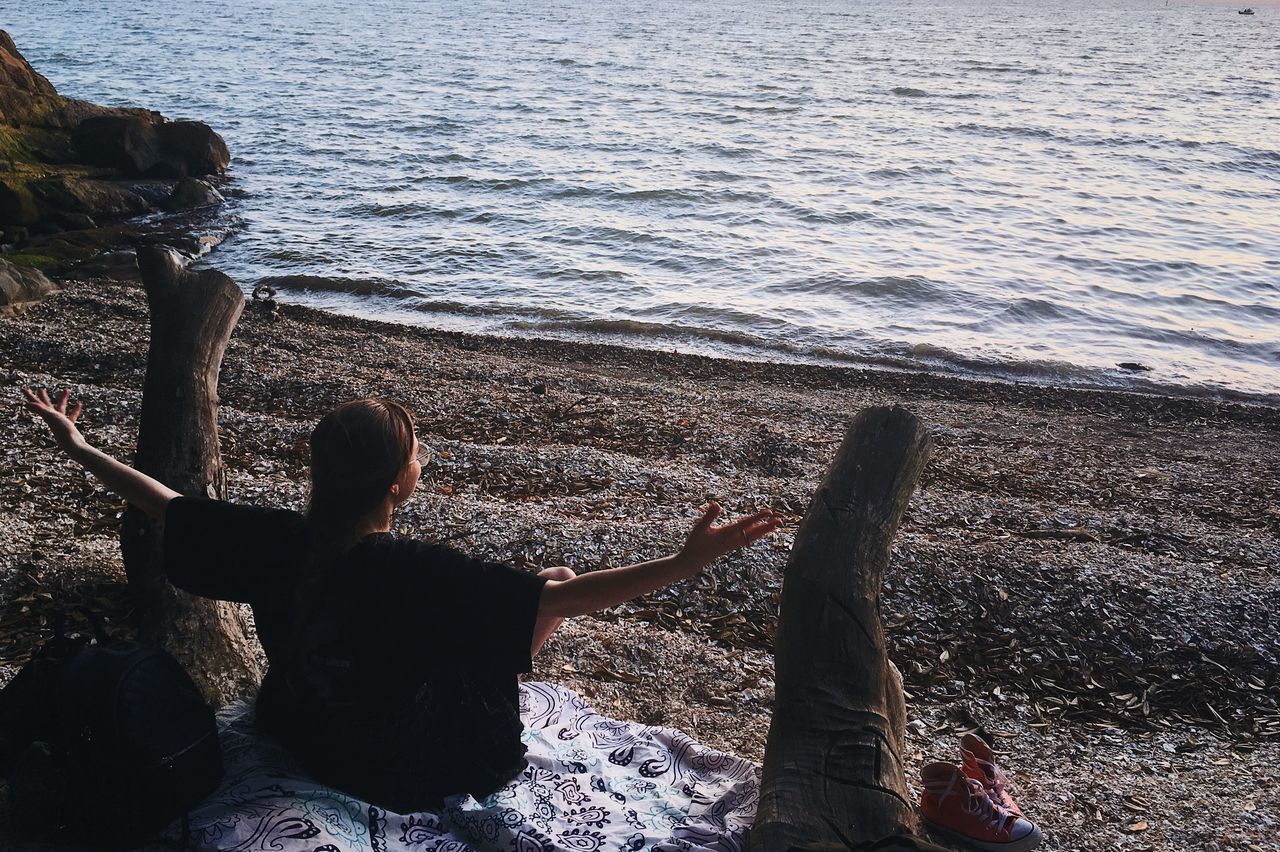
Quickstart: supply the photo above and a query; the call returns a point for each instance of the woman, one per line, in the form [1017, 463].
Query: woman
[393, 662]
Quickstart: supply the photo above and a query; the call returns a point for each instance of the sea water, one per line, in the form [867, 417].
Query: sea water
[1026, 190]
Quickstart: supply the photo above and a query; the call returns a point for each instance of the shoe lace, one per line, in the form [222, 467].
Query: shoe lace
[995, 782]
[978, 803]
[986, 809]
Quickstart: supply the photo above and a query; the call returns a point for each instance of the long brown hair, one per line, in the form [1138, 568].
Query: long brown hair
[357, 451]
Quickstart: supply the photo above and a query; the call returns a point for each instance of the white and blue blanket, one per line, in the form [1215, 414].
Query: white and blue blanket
[592, 785]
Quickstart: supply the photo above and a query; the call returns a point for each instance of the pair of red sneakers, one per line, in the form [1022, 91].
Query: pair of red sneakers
[970, 801]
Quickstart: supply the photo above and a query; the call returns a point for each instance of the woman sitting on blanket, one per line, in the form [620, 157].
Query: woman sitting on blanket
[393, 662]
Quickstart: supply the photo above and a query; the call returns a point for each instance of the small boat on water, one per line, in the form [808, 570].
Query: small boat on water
[1244, 11]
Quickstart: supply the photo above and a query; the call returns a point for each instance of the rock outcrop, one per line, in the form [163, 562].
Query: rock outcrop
[70, 165]
[191, 194]
[22, 284]
[138, 146]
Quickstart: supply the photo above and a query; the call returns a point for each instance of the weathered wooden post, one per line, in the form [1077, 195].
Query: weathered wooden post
[833, 773]
[192, 317]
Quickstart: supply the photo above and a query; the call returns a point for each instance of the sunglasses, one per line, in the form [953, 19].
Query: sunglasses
[424, 456]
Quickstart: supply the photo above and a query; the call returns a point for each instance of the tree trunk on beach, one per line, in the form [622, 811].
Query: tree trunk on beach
[192, 316]
[833, 774]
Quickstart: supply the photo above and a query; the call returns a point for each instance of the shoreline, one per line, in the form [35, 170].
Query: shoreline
[348, 297]
[1089, 576]
[1254, 409]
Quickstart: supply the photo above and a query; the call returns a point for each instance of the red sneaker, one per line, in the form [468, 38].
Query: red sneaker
[960, 807]
[980, 765]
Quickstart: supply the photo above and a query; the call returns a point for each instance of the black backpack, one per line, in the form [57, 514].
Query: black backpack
[105, 738]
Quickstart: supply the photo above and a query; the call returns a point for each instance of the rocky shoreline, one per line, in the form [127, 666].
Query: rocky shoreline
[1089, 577]
[79, 183]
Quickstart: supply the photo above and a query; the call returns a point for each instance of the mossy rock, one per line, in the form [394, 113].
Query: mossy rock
[34, 145]
[69, 192]
[18, 204]
[33, 261]
[14, 144]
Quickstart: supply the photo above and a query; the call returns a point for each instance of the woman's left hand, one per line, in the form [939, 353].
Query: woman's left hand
[148, 494]
[61, 421]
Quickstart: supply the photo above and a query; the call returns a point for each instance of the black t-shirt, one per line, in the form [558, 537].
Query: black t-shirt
[399, 683]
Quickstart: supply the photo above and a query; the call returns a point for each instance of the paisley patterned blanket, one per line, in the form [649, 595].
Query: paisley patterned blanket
[592, 785]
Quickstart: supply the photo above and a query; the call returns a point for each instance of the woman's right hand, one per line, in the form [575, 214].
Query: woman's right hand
[707, 543]
[61, 422]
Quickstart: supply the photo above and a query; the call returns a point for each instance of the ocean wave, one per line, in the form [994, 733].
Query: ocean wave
[814, 216]
[683, 195]
[412, 300]
[1251, 164]
[289, 255]
[1238, 157]
[404, 210]
[731, 152]
[978, 66]
[1034, 312]
[899, 289]
[611, 235]
[431, 124]
[639, 329]
[1221, 345]
[717, 175]
[909, 171]
[1196, 304]
[338, 284]
[484, 184]
[1007, 130]
[768, 109]
[1132, 269]
[585, 276]
[928, 354]
[59, 58]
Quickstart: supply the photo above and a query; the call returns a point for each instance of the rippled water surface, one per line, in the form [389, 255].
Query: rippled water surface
[1032, 189]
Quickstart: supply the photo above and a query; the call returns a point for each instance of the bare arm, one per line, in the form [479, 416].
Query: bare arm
[149, 495]
[599, 590]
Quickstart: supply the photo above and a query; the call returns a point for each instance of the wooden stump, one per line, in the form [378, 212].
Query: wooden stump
[833, 773]
[192, 316]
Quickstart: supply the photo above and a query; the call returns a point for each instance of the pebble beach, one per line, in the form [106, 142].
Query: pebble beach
[1086, 577]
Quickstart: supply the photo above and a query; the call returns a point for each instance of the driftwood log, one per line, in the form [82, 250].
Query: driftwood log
[192, 317]
[833, 772]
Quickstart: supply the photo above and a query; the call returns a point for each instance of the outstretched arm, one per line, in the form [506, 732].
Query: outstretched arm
[149, 495]
[599, 590]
